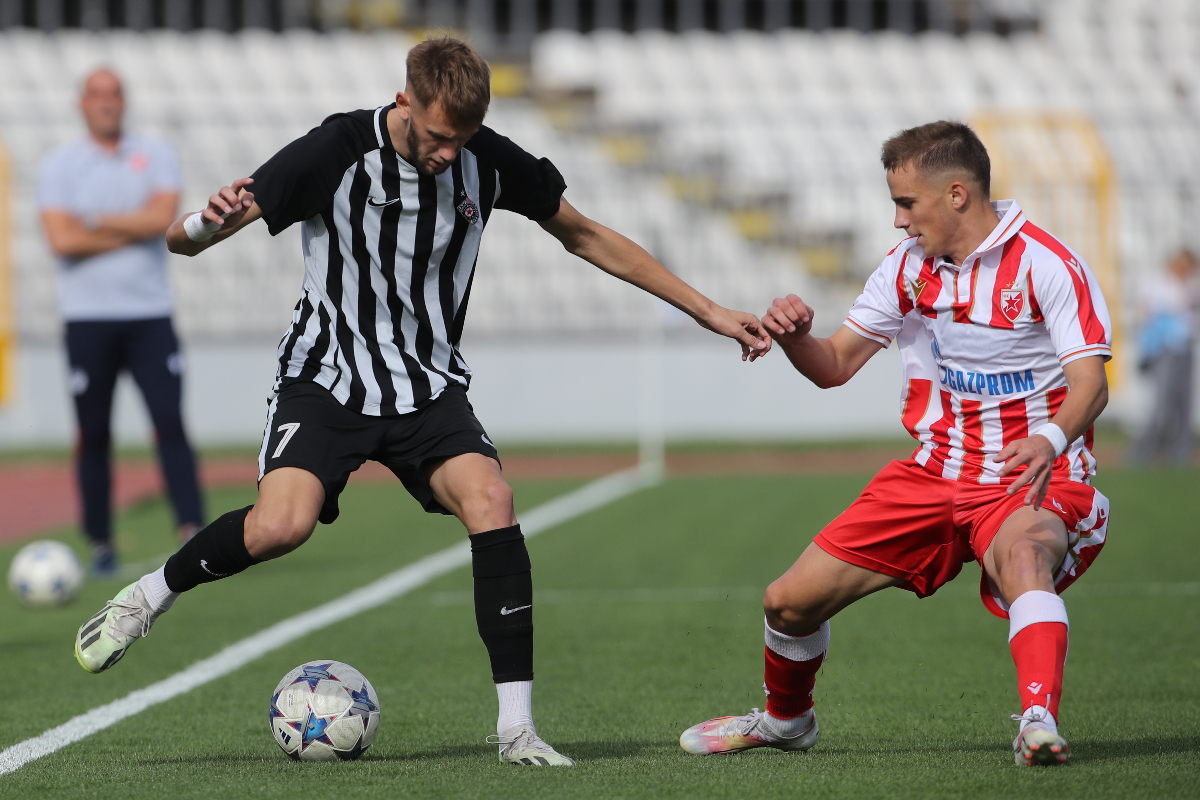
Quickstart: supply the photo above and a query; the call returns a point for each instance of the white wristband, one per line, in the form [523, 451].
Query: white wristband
[198, 228]
[1055, 435]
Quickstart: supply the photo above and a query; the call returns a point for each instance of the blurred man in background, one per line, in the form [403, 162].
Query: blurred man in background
[1170, 318]
[106, 200]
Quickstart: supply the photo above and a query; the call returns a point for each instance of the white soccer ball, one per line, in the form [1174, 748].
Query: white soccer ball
[324, 711]
[45, 573]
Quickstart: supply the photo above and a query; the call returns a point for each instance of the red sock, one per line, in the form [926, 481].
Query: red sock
[790, 684]
[1040, 651]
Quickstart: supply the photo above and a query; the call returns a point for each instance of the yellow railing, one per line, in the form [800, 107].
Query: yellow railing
[1057, 166]
[8, 338]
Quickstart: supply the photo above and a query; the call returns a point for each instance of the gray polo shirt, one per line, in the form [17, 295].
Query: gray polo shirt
[82, 178]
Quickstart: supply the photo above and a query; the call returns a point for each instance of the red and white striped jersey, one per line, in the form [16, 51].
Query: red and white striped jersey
[984, 343]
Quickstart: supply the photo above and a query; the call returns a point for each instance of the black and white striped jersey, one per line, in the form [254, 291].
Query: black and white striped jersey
[389, 255]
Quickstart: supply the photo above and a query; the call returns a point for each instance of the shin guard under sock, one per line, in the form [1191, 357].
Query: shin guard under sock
[791, 669]
[216, 552]
[504, 601]
[1038, 638]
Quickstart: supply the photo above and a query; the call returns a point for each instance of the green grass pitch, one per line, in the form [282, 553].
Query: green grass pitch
[648, 620]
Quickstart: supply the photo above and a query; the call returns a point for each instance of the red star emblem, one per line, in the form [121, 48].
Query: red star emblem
[1011, 303]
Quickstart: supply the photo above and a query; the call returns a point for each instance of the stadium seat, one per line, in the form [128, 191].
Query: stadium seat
[790, 121]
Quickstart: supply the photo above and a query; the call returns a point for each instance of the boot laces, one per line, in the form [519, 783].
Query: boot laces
[524, 739]
[1032, 715]
[746, 725]
[128, 608]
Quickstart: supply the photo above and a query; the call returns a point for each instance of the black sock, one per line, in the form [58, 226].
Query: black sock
[216, 552]
[504, 601]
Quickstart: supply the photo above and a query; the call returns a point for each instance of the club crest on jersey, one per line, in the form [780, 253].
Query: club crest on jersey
[467, 207]
[1012, 301]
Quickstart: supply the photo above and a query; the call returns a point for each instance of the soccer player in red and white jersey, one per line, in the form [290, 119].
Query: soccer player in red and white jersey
[1004, 334]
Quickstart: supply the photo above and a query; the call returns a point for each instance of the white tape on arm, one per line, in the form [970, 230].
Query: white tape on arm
[1055, 435]
[199, 229]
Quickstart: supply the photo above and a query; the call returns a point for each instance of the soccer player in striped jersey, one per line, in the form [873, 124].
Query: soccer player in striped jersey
[1003, 334]
[392, 203]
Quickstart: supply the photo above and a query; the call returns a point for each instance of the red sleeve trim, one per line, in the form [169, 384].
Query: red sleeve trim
[1086, 351]
[870, 334]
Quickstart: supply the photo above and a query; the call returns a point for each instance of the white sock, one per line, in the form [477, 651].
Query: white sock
[788, 728]
[516, 705]
[1033, 607]
[797, 648]
[157, 593]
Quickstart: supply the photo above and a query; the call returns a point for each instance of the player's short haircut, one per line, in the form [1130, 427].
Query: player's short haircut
[451, 73]
[940, 147]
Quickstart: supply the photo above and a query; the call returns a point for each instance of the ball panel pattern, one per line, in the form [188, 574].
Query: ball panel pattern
[324, 710]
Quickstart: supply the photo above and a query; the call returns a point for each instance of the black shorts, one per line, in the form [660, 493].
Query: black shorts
[309, 429]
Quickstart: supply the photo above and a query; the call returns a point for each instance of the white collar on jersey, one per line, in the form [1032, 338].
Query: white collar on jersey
[1011, 220]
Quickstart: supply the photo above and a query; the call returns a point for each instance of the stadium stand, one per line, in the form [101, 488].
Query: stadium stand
[742, 159]
[793, 120]
[225, 122]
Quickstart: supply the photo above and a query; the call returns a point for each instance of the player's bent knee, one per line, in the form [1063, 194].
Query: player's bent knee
[491, 499]
[1027, 557]
[499, 496]
[270, 535]
[787, 613]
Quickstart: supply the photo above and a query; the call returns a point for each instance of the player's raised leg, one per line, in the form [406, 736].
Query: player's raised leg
[472, 487]
[798, 607]
[1021, 560]
[282, 519]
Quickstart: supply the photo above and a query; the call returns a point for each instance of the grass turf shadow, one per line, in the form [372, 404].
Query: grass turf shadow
[580, 751]
[583, 751]
[1111, 749]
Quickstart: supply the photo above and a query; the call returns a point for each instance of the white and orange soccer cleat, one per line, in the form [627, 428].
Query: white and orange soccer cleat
[1038, 744]
[735, 734]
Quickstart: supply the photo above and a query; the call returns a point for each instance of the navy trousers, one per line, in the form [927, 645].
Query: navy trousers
[98, 352]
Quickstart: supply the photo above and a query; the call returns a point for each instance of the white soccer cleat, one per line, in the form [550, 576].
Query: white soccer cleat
[735, 734]
[521, 745]
[107, 635]
[1037, 744]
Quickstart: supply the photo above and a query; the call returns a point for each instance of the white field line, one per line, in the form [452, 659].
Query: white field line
[573, 504]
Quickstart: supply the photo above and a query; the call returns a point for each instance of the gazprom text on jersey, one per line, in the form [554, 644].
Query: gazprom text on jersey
[994, 384]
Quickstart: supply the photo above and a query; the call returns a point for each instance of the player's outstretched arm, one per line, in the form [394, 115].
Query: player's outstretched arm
[826, 362]
[1087, 397]
[228, 211]
[618, 256]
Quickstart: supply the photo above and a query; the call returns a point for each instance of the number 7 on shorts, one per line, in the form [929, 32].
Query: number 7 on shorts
[291, 428]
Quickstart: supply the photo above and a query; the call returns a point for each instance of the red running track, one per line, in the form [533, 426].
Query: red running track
[37, 496]
[40, 496]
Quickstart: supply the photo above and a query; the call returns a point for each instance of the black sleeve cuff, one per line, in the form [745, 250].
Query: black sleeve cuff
[555, 186]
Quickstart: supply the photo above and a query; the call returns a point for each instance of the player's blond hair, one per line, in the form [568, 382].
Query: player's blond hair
[450, 73]
[940, 147]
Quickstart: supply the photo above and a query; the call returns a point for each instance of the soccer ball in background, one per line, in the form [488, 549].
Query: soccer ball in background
[324, 711]
[45, 573]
